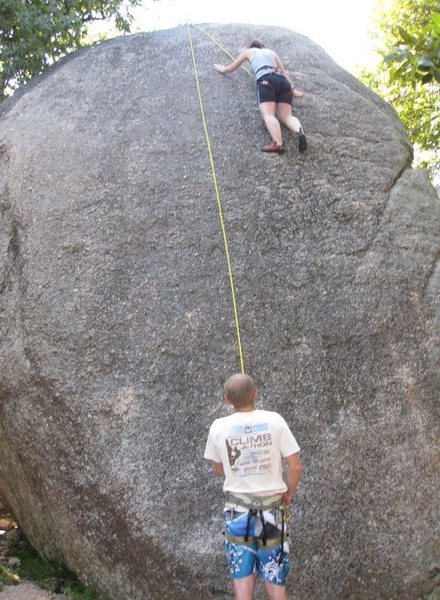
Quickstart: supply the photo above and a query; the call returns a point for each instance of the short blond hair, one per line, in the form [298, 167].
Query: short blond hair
[239, 389]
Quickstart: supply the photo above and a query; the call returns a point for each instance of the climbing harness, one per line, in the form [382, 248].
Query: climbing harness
[249, 501]
[219, 206]
[265, 83]
[255, 506]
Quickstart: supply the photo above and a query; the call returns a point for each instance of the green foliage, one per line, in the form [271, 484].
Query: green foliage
[416, 57]
[49, 575]
[7, 577]
[408, 39]
[45, 572]
[35, 33]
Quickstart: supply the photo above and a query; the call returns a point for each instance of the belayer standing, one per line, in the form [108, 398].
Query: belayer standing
[247, 448]
[274, 93]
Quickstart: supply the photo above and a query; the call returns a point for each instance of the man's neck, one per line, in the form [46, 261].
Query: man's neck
[249, 408]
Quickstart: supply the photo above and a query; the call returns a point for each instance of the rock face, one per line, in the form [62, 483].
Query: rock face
[117, 329]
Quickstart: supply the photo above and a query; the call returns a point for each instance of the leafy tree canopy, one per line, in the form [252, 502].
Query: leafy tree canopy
[408, 39]
[35, 33]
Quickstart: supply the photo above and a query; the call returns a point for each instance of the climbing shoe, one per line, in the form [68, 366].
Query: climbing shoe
[274, 147]
[302, 142]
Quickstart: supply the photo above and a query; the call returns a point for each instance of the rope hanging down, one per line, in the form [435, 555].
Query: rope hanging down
[219, 205]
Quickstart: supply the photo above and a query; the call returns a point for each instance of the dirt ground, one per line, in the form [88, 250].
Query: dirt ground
[27, 591]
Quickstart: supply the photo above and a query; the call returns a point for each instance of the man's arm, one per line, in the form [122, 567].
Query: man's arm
[294, 471]
[218, 468]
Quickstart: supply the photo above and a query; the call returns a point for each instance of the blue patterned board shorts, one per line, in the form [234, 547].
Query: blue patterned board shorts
[244, 560]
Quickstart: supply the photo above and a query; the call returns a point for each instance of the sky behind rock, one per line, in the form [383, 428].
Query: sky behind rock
[341, 27]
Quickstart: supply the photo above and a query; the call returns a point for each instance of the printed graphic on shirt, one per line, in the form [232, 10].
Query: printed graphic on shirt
[249, 450]
[233, 453]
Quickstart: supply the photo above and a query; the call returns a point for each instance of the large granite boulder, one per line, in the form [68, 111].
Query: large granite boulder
[117, 329]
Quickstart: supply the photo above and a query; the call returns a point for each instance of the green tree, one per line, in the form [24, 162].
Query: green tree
[36, 33]
[408, 40]
[417, 56]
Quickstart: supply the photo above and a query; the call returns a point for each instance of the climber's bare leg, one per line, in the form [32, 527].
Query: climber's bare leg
[284, 113]
[244, 587]
[267, 110]
[276, 592]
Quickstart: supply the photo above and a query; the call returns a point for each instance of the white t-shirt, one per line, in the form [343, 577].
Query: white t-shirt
[250, 446]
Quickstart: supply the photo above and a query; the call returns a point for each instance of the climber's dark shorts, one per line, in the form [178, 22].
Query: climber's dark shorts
[274, 87]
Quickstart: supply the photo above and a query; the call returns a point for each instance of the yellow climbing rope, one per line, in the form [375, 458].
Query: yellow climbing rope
[219, 206]
[225, 50]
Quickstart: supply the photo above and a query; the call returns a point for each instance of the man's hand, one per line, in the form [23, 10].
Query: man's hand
[218, 468]
[298, 94]
[287, 498]
[220, 68]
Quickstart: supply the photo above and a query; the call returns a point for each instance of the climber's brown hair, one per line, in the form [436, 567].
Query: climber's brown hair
[256, 44]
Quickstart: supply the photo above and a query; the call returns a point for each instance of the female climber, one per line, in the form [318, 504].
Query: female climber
[274, 93]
